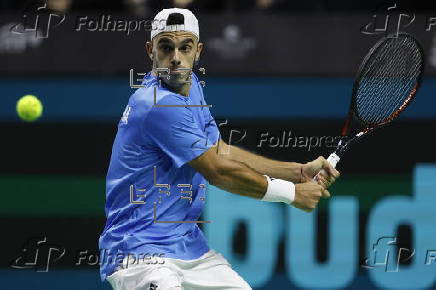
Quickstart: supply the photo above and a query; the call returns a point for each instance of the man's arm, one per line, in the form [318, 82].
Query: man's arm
[230, 175]
[238, 178]
[291, 171]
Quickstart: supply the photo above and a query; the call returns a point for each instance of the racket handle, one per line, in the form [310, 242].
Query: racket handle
[333, 159]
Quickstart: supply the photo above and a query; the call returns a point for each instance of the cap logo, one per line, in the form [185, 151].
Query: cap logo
[176, 19]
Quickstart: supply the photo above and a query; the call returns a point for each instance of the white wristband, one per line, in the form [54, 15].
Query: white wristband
[279, 190]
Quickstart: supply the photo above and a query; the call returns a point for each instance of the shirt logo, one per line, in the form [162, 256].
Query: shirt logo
[125, 118]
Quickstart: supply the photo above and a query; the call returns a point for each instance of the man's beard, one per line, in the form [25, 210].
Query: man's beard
[176, 81]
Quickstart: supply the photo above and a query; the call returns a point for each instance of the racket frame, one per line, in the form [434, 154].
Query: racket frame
[346, 140]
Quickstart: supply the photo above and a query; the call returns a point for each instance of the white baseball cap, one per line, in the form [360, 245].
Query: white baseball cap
[188, 22]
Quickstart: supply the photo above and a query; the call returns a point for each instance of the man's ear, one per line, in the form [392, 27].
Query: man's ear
[199, 50]
[149, 49]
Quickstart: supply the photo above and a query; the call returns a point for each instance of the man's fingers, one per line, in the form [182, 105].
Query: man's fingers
[325, 182]
[328, 168]
[325, 193]
[335, 173]
[330, 180]
[322, 181]
[329, 175]
[310, 194]
[304, 208]
[331, 171]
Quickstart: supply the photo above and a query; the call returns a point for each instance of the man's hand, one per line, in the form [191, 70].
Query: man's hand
[307, 195]
[308, 192]
[311, 169]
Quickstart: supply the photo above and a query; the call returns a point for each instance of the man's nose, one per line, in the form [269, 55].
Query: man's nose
[176, 58]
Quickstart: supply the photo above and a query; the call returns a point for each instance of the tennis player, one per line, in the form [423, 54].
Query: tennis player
[166, 149]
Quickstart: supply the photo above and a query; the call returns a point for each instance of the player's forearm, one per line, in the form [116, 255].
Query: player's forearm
[290, 171]
[238, 178]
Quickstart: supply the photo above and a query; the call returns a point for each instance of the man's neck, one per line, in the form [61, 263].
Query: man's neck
[183, 90]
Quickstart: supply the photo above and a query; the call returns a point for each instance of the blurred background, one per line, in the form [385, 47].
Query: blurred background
[278, 75]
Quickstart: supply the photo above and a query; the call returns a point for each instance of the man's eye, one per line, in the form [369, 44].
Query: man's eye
[165, 47]
[185, 48]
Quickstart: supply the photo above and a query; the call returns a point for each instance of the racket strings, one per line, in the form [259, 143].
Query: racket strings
[374, 110]
[393, 94]
[387, 79]
[401, 67]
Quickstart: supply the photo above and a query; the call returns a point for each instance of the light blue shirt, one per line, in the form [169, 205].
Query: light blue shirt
[148, 174]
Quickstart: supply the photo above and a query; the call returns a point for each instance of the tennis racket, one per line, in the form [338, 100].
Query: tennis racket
[386, 83]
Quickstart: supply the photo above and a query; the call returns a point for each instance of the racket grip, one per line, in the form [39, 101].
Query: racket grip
[333, 159]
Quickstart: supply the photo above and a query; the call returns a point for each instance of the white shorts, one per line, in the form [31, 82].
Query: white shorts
[210, 271]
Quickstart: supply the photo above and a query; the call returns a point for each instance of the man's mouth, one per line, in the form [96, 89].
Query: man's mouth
[179, 71]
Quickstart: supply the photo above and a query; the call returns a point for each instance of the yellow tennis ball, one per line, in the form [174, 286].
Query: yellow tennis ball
[29, 108]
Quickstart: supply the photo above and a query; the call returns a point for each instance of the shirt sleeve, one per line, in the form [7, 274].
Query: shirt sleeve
[175, 131]
[212, 132]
